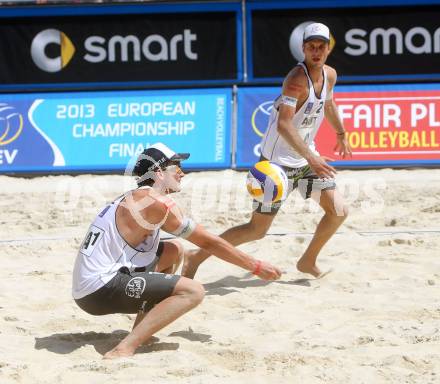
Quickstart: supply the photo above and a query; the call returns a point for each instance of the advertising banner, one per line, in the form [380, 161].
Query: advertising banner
[368, 44]
[103, 131]
[254, 107]
[386, 125]
[138, 48]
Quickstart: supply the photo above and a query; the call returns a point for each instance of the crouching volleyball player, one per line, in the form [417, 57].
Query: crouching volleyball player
[123, 266]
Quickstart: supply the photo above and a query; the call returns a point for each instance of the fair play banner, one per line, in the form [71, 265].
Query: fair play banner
[387, 125]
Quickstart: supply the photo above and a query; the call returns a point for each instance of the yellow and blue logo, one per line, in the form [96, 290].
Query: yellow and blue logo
[39, 45]
[260, 117]
[11, 124]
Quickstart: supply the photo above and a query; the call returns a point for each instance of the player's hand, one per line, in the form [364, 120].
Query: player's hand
[343, 146]
[266, 271]
[321, 168]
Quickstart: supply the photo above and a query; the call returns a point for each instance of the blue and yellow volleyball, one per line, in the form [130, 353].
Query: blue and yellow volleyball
[267, 182]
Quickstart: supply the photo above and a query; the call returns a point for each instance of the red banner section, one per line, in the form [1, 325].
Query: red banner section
[387, 125]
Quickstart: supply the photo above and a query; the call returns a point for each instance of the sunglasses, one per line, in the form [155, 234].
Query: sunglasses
[174, 167]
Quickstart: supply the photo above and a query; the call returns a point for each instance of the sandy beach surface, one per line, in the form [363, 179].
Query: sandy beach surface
[374, 319]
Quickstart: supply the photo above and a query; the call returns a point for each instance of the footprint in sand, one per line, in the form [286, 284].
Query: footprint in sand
[91, 367]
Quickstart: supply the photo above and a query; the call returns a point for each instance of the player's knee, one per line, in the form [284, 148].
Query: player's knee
[342, 212]
[196, 293]
[338, 212]
[345, 211]
[260, 234]
[256, 232]
[191, 290]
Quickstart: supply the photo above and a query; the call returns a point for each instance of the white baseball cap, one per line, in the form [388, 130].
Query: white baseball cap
[155, 157]
[316, 31]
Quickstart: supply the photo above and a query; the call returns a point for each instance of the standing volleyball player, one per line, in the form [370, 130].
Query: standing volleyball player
[122, 265]
[307, 96]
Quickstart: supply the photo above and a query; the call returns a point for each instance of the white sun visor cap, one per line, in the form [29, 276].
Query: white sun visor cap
[155, 157]
[316, 31]
[169, 153]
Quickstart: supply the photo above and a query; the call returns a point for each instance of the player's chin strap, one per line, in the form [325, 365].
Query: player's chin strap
[185, 229]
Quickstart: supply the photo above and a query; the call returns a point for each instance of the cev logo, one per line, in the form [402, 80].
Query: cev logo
[11, 124]
[296, 41]
[39, 45]
[260, 117]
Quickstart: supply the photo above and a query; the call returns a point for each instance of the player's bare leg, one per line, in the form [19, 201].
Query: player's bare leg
[335, 214]
[169, 262]
[186, 295]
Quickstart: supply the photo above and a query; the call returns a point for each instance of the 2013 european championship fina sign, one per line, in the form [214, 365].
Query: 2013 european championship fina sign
[90, 131]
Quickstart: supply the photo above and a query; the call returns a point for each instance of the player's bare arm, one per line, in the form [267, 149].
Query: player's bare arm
[179, 225]
[227, 252]
[332, 115]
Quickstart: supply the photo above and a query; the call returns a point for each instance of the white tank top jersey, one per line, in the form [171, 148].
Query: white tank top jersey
[306, 121]
[104, 251]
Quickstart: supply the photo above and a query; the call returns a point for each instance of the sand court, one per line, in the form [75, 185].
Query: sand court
[374, 319]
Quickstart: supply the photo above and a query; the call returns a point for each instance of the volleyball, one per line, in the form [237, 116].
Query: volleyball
[267, 182]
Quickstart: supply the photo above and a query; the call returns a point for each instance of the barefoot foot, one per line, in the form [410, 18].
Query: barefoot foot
[323, 274]
[305, 267]
[116, 353]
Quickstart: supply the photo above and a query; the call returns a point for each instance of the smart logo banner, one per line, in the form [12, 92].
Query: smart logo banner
[78, 49]
[368, 44]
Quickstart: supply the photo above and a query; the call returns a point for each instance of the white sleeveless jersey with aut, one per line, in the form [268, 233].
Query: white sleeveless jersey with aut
[306, 121]
[104, 251]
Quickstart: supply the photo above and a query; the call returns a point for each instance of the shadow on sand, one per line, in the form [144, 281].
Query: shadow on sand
[64, 343]
[226, 285]
[192, 336]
